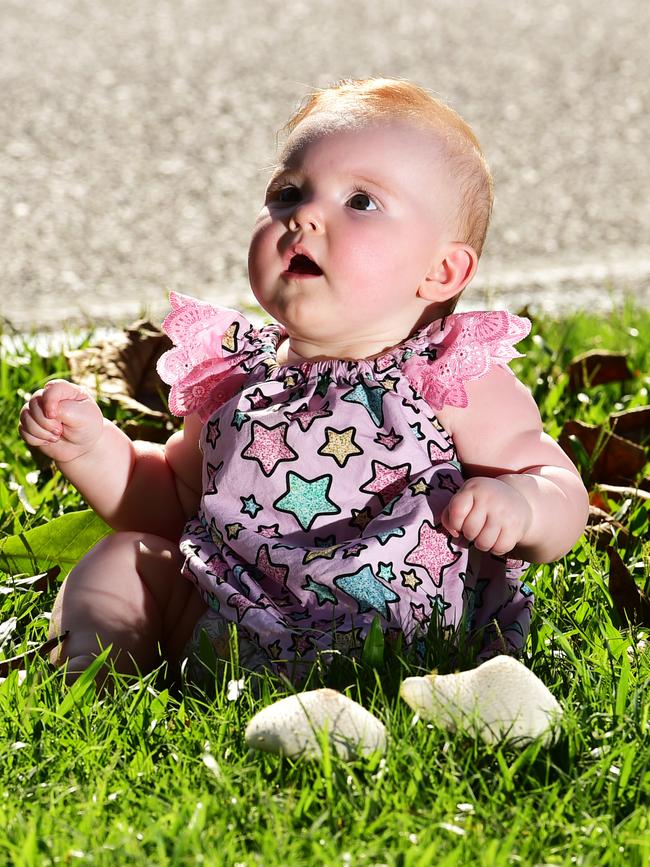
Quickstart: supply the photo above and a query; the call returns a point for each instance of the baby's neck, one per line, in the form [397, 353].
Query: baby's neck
[293, 351]
[297, 348]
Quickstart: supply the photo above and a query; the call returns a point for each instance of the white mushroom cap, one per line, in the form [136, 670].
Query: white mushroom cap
[501, 700]
[295, 726]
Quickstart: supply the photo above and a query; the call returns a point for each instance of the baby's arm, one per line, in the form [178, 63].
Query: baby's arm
[524, 497]
[132, 485]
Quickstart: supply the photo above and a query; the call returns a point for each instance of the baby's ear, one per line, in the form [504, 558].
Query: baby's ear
[450, 274]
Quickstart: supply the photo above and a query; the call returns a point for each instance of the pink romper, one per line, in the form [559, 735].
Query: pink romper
[324, 483]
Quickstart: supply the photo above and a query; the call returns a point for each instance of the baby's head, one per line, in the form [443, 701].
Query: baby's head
[354, 102]
[374, 218]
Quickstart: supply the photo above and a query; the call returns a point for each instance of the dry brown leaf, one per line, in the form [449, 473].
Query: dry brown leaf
[633, 424]
[7, 665]
[631, 603]
[125, 370]
[617, 461]
[597, 367]
[603, 530]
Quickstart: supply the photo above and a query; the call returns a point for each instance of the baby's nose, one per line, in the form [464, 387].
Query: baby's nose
[306, 216]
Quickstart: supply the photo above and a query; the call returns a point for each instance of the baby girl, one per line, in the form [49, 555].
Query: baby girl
[370, 453]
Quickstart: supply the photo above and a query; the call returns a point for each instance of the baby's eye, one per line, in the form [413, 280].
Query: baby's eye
[361, 202]
[287, 195]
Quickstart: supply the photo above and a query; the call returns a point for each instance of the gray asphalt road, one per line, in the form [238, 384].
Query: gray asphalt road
[134, 139]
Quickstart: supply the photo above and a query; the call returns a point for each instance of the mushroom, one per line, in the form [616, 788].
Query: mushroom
[501, 700]
[296, 726]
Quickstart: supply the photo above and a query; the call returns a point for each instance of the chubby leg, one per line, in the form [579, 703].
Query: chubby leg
[127, 592]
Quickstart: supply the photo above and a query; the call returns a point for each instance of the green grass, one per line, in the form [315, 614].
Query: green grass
[150, 776]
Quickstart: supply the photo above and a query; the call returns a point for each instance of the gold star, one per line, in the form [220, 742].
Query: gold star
[216, 535]
[420, 487]
[229, 340]
[340, 445]
[389, 382]
[410, 580]
[326, 553]
[233, 530]
[361, 518]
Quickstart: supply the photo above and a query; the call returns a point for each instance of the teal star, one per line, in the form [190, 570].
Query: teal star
[438, 604]
[367, 590]
[238, 419]
[370, 397]
[250, 506]
[323, 384]
[417, 430]
[323, 593]
[388, 534]
[306, 499]
[385, 572]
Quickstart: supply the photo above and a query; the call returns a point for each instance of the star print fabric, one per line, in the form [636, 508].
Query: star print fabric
[324, 484]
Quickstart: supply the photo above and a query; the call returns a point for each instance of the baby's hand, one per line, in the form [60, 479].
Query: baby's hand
[490, 513]
[62, 420]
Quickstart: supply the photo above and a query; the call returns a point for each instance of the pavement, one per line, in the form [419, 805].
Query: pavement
[135, 140]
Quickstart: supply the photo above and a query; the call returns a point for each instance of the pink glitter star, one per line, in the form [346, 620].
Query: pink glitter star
[305, 417]
[418, 612]
[217, 568]
[387, 481]
[268, 446]
[270, 532]
[390, 439]
[432, 552]
[274, 571]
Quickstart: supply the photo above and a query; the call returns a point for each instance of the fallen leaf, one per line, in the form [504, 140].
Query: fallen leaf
[124, 370]
[597, 367]
[631, 603]
[633, 424]
[7, 665]
[603, 530]
[615, 460]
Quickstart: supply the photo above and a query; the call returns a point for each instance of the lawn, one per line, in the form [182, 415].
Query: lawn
[160, 775]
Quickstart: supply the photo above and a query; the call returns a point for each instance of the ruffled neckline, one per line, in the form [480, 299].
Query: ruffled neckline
[276, 334]
[216, 351]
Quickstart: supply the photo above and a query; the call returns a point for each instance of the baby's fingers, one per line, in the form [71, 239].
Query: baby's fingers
[489, 536]
[457, 509]
[59, 390]
[35, 427]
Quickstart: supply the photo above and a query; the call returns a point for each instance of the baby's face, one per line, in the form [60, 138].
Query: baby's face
[354, 220]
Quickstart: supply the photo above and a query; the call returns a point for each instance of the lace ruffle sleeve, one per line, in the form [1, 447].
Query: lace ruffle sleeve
[465, 347]
[204, 367]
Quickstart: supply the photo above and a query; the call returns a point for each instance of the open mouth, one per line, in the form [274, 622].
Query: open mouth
[301, 264]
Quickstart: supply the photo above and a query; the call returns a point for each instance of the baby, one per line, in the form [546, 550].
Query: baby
[369, 454]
